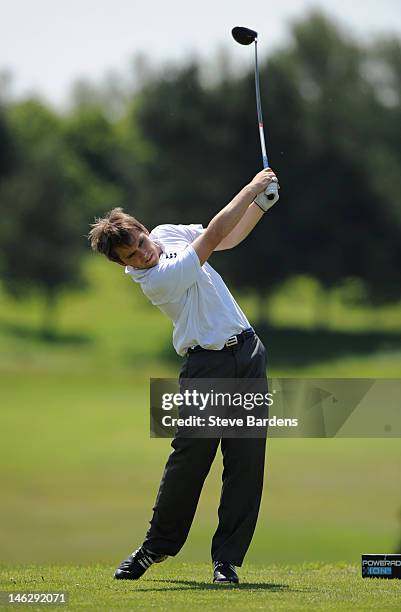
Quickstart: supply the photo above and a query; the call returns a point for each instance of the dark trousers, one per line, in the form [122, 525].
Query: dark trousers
[191, 459]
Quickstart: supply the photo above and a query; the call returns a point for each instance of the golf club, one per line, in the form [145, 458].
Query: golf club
[245, 36]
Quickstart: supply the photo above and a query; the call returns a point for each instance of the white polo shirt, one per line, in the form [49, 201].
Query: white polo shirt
[194, 297]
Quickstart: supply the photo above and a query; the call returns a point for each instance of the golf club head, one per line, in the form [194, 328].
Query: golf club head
[244, 36]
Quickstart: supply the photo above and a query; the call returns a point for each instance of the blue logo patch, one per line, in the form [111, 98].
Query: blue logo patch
[380, 571]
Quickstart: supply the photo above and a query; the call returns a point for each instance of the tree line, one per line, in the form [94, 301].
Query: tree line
[182, 147]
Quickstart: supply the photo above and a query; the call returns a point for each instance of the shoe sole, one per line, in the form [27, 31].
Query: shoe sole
[126, 577]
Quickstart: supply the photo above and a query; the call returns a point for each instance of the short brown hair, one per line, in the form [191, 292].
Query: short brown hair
[115, 229]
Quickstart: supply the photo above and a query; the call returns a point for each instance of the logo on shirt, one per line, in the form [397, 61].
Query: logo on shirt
[170, 255]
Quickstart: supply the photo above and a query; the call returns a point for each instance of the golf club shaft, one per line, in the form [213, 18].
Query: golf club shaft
[259, 110]
[246, 36]
[271, 192]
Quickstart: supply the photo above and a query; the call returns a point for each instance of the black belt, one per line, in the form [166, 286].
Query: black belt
[231, 342]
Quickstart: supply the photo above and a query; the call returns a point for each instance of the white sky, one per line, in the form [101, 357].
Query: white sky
[47, 44]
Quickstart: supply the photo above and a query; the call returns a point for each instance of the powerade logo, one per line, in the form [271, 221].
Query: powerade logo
[380, 571]
[382, 562]
[381, 566]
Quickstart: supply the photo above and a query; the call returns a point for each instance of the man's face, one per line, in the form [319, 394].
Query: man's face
[143, 253]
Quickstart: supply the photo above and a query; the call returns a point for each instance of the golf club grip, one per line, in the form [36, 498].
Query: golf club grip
[271, 190]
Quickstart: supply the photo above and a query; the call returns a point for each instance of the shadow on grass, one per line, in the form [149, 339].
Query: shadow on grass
[168, 356]
[37, 334]
[298, 347]
[187, 585]
[292, 347]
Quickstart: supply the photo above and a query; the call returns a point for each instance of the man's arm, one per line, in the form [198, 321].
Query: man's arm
[252, 216]
[228, 218]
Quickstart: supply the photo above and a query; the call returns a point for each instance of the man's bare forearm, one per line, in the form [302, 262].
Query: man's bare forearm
[251, 217]
[226, 220]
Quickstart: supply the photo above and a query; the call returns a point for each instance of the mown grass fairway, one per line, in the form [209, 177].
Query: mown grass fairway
[79, 477]
[79, 473]
[175, 586]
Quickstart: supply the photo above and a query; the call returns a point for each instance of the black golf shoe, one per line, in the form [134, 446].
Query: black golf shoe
[224, 573]
[137, 564]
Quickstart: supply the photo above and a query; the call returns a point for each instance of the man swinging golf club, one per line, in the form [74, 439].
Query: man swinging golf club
[216, 340]
[214, 336]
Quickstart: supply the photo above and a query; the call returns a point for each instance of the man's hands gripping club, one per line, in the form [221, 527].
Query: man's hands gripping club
[268, 196]
[231, 215]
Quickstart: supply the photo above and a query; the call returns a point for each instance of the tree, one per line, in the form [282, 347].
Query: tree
[8, 152]
[45, 209]
[339, 217]
[184, 147]
[345, 226]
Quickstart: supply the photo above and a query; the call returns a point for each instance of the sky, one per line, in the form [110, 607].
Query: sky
[48, 44]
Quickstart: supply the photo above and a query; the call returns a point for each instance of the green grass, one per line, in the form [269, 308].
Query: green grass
[79, 473]
[76, 457]
[112, 327]
[177, 586]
